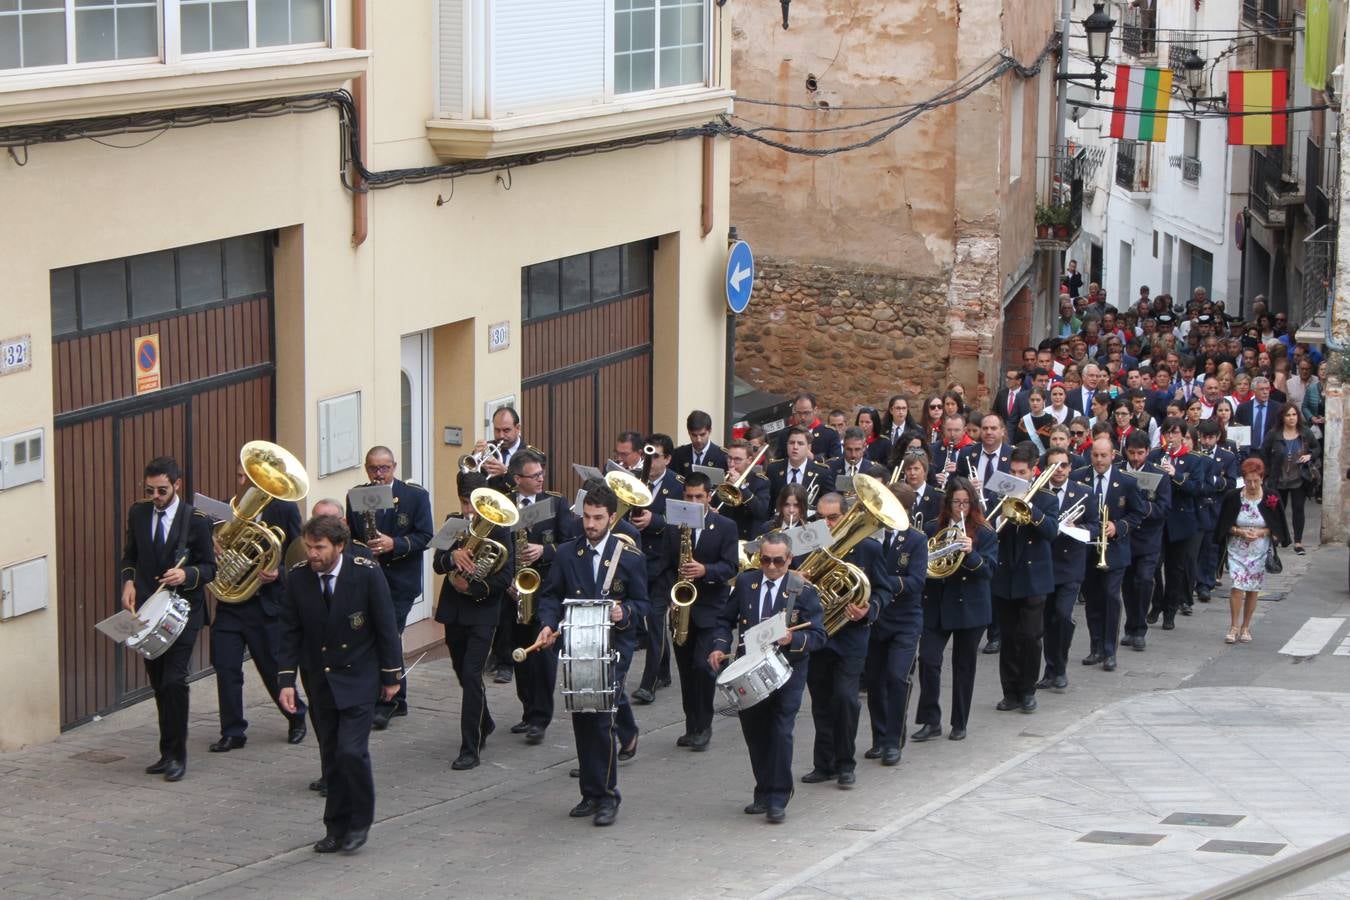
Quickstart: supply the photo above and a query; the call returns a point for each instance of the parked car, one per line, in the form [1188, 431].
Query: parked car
[751, 406]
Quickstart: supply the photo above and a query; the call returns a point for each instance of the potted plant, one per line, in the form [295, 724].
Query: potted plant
[1045, 220]
[1060, 216]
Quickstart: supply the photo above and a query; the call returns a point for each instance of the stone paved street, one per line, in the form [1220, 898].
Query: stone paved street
[1190, 726]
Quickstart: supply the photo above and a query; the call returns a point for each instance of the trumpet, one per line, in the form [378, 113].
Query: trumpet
[733, 493]
[944, 550]
[1018, 509]
[1071, 515]
[979, 495]
[1105, 515]
[473, 462]
[683, 593]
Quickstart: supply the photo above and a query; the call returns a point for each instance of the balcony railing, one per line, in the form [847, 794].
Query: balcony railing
[1061, 187]
[1319, 181]
[1267, 169]
[1276, 13]
[1134, 166]
[1190, 169]
[1251, 12]
[1139, 34]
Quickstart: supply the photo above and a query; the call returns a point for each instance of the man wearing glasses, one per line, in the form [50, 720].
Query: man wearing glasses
[397, 537]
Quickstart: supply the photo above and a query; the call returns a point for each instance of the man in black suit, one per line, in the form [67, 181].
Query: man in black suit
[853, 460]
[338, 627]
[1007, 397]
[798, 468]
[700, 451]
[469, 608]
[1070, 563]
[664, 485]
[255, 624]
[980, 461]
[824, 439]
[597, 566]
[767, 726]
[397, 537]
[1262, 413]
[168, 545]
[1080, 401]
[710, 570]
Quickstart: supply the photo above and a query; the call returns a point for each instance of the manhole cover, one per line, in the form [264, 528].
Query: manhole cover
[1247, 848]
[1126, 838]
[98, 756]
[1208, 820]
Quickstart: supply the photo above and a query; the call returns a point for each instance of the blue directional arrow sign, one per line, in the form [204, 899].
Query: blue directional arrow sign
[740, 276]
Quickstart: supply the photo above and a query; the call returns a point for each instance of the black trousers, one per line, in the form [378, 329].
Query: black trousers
[168, 676]
[625, 723]
[833, 681]
[1207, 561]
[597, 756]
[1179, 572]
[344, 747]
[239, 626]
[767, 729]
[469, 646]
[965, 651]
[657, 664]
[1059, 627]
[1022, 622]
[1101, 588]
[888, 673]
[536, 677]
[698, 684]
[503, 641]
[1140, 593]
[400, 700]
[1294, 500]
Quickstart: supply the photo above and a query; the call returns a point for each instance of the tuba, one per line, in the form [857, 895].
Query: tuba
[841, 584]
[248, 548]
[683, 593]
[526, 582]
[632, 492]
[491, 509]
[944, 553]
[1018, 509]
[732, 493]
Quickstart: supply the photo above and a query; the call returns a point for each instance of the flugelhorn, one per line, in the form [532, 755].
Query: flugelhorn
[473, 462]
[732, 493]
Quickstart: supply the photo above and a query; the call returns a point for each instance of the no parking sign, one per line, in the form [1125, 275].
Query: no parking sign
[145, 355]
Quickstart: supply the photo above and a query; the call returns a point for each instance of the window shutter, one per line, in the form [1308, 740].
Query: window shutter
[451, 58]
[546, 54]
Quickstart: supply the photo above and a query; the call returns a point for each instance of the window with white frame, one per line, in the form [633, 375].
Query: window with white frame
[658, 44]
[42, 33]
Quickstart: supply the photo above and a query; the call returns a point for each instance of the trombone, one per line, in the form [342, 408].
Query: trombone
[733, 493]
[1018, 509]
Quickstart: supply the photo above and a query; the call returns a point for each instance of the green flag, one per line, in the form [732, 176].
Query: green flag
[1315, 36]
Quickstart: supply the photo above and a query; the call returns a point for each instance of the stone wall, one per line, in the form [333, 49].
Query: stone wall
[848, 335]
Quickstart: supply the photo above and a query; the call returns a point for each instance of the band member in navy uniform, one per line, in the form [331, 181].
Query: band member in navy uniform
[664, 485]
[1101, 587]
[1070, 559]
[853, 458]
[398, 537]
[926, 505]
[978, 463]
[824, 440]
[957, 609]
[255, 624]
[1024, 578]
[700, 451]
[1223, 476]
[835, 674]
[767, 726]
[470, 608]
[1190, 475]
[597, 566]
[168, 545]
[338, 628]
[710, 571]
[798, 468]
[1146, 544]
[893, 645]
[751, 515]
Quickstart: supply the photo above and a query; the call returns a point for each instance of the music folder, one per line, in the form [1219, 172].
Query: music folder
[371, 497]
[1148, 481]
[683, 514]
[444, 538]
[715, 475]
[218, 511]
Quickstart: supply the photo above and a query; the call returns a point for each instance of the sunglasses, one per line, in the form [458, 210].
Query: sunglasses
[774, 560]
[935, 406]
[157, 491]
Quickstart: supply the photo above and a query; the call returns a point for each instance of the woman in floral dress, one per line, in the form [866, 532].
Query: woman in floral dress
[1250, 518]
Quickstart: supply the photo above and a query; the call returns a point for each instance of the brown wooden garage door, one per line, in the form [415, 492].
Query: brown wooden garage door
[211, 306]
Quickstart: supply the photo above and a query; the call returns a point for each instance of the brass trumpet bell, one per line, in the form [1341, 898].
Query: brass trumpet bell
[249, 548]
[631, 491]
[494, 507]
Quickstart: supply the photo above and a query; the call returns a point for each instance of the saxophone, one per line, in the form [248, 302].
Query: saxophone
[526, 582]
[683, 593]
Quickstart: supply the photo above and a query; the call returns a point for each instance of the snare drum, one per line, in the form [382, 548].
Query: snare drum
[751, 679]
[588, 664]
[166, 615]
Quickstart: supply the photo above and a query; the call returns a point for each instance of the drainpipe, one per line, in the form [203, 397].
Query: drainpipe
[360, 199]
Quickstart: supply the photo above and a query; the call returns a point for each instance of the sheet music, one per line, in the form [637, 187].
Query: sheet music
[371, 497]
[760, 638]
[1148, 481]
[844, 484]
[586, 473]
[218, 511]
[1240, 434]
[445, 537]
[809, 538]
[532, 515]
[680, 513]
[715, 475]
[1003, 484]
[121, 625]
[1077, 533]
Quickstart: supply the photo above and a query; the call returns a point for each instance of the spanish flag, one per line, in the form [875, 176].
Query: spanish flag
[1256, 104]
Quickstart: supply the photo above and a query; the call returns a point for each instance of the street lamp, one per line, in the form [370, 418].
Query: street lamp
[1098, 27]
[1197, 82]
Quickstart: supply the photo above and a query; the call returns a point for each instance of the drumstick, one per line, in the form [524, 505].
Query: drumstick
[800, 626]
[520, 653]
[177, 565]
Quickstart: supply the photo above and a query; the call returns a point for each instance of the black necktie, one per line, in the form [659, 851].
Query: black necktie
[766, 605]
[1099, 488]
[328, 590]
[160, 536]
[796, 476]
[988, 467]
[1258, 423]
[698, 459]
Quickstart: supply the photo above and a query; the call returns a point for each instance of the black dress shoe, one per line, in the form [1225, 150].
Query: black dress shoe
[699, 742]
[1092, 658]
[1185, 610]
[228, 743]
[642, 696]
[1139, 643]
[490, 727]
[574, 773]
[847, 780]
[1203, 596]
[320, 786]
[1008, 704]
[890, 757]
[993, 647]
[775, 815]
[1109, 664]
[355, 840]
[380, 721]
[157, 767]
[663, 682]
[503, 675]
[1169, 624]
[464, 761]
[1153, 615]
[1029, 703]
[1127, 640]
[329, 843]
[535, 735]
[605, 815]
[958, 734]
[297, 732]
[627, 753]
[925, 732]
[683, 740]
[1061, 682]
[755, 809]
[1045, 683]
[399, 711]
[520, 727]
[816, 776]
[583, 809]
[175, 770]
[874, 753]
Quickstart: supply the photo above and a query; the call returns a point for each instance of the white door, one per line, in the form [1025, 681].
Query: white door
[414, 461]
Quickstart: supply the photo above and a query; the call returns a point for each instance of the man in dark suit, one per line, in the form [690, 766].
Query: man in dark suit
[751, 515]
[926, 503]
[700, 451]
[979, 462]
[665, 485]
[710, 570]
[1146, 544]
[597, 566]
[168, 545]
[853, 460]
[398, 537]
[1006, 399]
[255, 624]
[1069, 562]
[338, 628]
[1189, 476]
[1223, 476]
[834, 676]
[767, 726]
[1262, 413]
[824, 439]
[1080, 401]
[537, 677]
[1101, 587]
[798, 468]
[469, 608]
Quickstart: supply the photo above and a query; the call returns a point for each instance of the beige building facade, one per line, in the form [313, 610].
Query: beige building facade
[289, 308]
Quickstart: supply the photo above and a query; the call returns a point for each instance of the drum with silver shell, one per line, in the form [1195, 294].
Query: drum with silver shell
[751, 679]
[588, 664]
[166, 615]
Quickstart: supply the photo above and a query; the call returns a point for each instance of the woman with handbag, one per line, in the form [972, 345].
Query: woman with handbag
[1291, 455]
[1251, 522]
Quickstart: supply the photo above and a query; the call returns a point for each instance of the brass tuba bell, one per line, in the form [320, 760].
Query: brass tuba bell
[248, 548]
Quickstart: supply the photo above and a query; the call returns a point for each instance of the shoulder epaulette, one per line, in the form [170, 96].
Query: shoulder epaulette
[365, 561]
[678, 477]
[535, 449]
[301, 564]
[629, 547]
[198, 512]
[555, 494]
